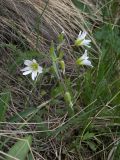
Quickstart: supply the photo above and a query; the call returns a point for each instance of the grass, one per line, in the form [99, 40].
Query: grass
[38, 118]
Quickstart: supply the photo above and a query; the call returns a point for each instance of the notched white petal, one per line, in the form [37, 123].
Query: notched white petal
[84, 56]
[27, 72]
[27, 62]
[25, 69]
[87, 63]
[79, 35]
[34, 74]
[83, 35]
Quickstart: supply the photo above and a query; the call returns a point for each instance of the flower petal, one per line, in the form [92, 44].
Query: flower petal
[40, 69]
[34, 61]
[87, 63]
[27, 72]
[79, 35]
[86, 43]
[25, 69]
[34, 74]
[27, 62]
[84, 56]
[83, 35]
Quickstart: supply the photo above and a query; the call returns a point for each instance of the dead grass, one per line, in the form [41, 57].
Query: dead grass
[19, 21]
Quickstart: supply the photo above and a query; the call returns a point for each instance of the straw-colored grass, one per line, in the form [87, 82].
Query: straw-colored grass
[20, 20]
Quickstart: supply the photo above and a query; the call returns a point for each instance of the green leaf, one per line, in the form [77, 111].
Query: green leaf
[30, 157]
[92, 145]
[4, 100]
[57, 90]
[20, 149]
[54, 59]
[88, 135]
[23, 114]
[52, 51]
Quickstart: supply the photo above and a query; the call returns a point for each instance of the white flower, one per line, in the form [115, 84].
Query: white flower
[63, 32]
[32, 68]
[81, 41]
[83, 60]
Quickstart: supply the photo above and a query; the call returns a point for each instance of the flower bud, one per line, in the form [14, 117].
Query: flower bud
[68, 99]
[62, 65]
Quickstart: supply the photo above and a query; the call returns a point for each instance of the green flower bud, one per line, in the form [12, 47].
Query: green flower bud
[62, 65]
[68, 99]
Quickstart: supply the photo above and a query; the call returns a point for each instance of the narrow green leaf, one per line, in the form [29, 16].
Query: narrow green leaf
[30, 157]
[88, 135]
[20, 149]
[54, 59]
[4, 100]
[23, 114]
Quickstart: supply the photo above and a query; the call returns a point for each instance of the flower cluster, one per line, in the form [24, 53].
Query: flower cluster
[58, 64]
[82, 41]
[33, 68]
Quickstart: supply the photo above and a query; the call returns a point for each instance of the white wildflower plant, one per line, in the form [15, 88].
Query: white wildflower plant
[33, 68]
[84, 60]
[81, 41]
